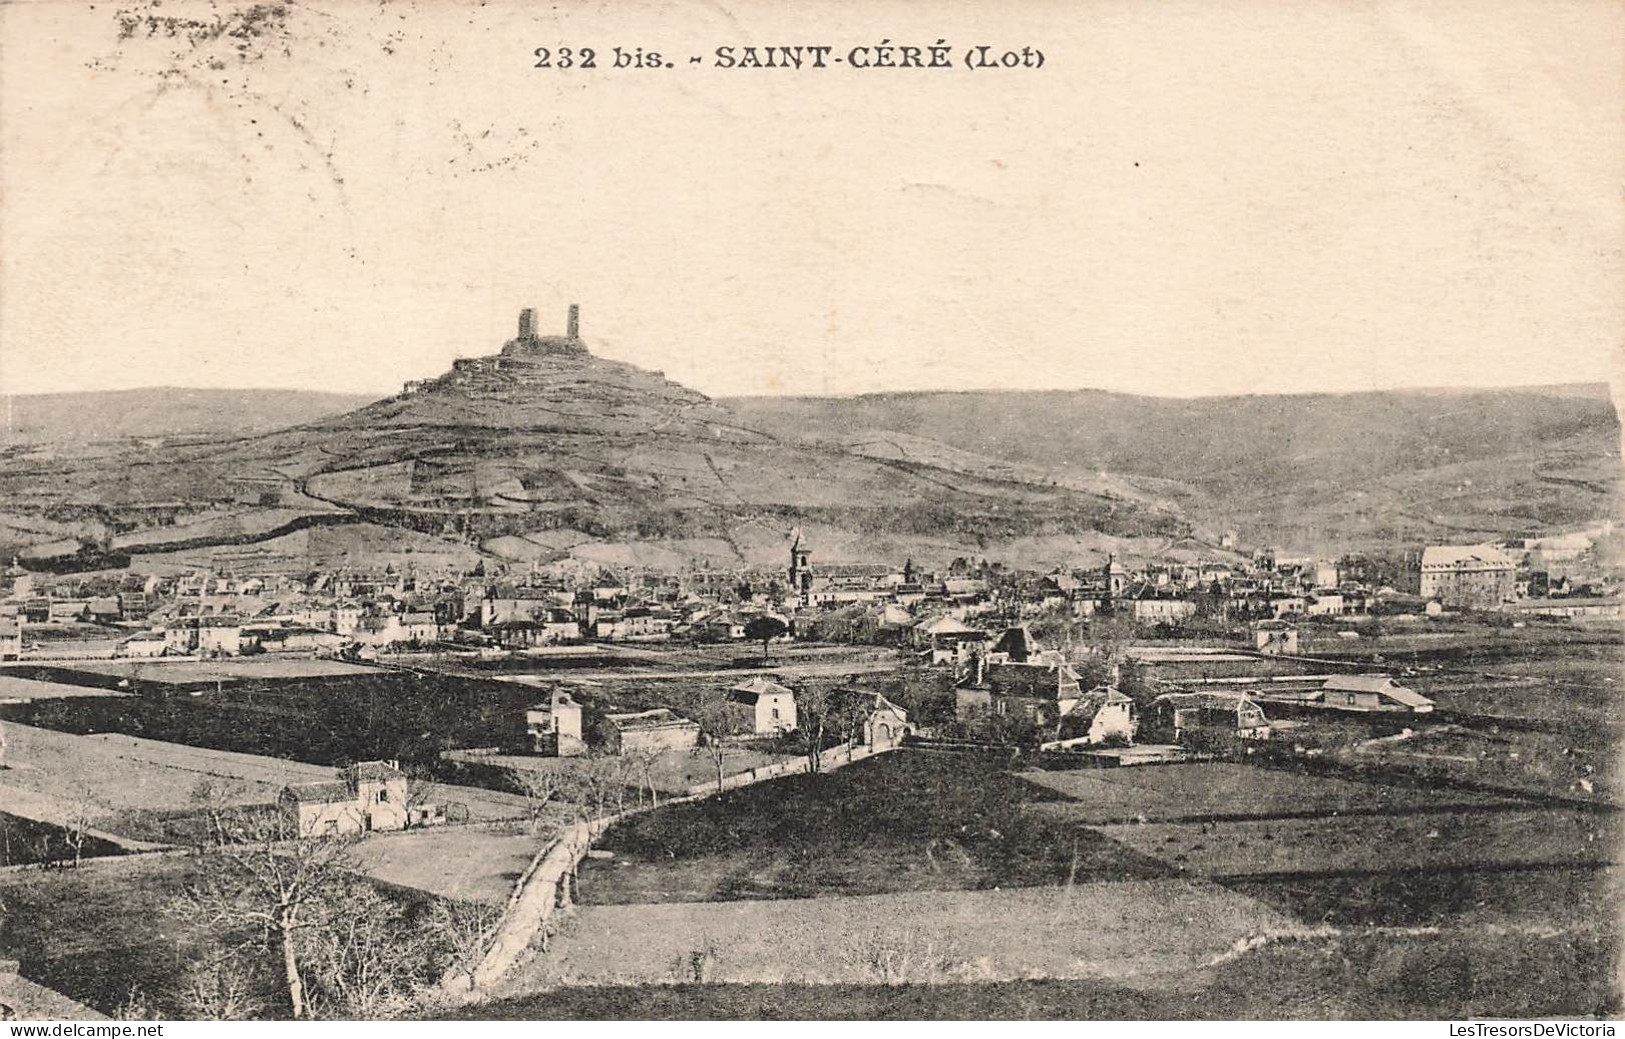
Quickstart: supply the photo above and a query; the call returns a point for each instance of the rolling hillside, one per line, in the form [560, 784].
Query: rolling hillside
[161, 411]
[563, 453]
[1314, 471]
[541, 443]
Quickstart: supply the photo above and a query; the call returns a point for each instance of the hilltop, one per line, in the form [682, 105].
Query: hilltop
[541, 441]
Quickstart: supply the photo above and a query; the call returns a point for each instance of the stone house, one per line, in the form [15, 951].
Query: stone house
[770, 707]
[555, 727]
[658, 729]
[370, 795]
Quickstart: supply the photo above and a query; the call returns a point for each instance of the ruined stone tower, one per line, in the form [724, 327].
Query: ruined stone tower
[529, 343]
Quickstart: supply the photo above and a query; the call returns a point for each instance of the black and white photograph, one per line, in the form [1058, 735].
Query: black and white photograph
[737, 511]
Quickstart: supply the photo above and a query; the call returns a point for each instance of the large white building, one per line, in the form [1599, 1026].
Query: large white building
[1477, 576]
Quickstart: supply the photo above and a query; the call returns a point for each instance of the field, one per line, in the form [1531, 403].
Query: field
[924, 880]
[675, 772]
[23, 689]
[234, 669]
[1142, 927]
[1218, 789]
[377, 714]
[897, 822]
[144, 789]
[467, 863]
[1379, 844]
[1354, 976]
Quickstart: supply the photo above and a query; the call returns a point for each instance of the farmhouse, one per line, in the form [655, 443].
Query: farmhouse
[555, 727]
[657, 729]
[1198, 718]
[1103, 713]
[368, 796]
[771, 707]
[1275, 638]
[1034, 691]
[1371, 693]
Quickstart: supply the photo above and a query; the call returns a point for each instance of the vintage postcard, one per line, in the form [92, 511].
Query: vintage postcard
[740, 510]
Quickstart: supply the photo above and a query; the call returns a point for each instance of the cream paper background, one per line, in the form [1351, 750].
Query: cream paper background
[1189, 198]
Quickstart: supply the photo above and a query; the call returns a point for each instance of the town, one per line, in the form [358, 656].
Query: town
[516, 738]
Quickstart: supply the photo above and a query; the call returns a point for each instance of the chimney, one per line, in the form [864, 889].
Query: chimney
[573, 330]
[527, 323]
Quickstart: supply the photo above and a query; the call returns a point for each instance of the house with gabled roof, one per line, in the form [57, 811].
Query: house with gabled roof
[1372, 693]
[367, 796]
[1037, 690]
[768, 706]
[1096, 716]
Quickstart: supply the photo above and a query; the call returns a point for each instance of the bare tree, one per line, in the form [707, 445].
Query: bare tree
[215, 989]
[274, 882]
[601, 785]
[75, 827]
[642, 764]
[465, 930]
[541, 787]
[716, 720]
[216, 801]
[815, 710]
[363, 959]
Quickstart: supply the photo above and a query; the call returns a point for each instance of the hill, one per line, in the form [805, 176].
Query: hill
[1312, 471]
[161, 412]
[546, 451]
[541, 439]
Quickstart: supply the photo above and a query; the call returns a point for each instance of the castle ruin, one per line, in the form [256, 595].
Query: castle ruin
[528, 343]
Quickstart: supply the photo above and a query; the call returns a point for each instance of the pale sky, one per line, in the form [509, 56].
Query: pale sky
[1187, 199]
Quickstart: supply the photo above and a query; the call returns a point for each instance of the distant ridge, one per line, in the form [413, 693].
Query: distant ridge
[545, 443]
[89, 415]
[162, 411]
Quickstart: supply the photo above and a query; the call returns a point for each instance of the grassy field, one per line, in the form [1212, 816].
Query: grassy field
[1218, 788]
[1554, 898]
[1354, 976]
[233, 669]
[13, 687]
[1507, 837]
[675, 772]
[898, 822]
[115, 772]
[470, 864]
[28, 842]
[1577, 686]
[1110, 929]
